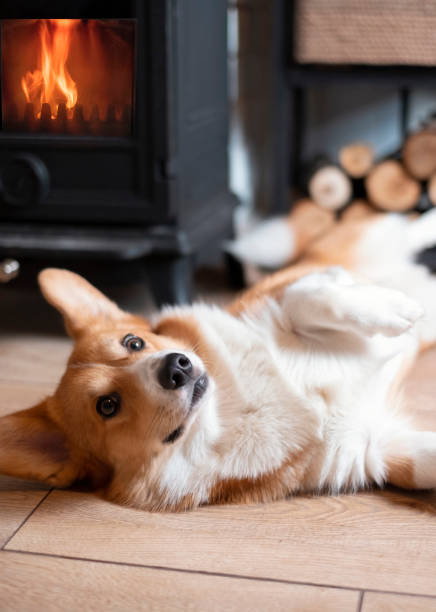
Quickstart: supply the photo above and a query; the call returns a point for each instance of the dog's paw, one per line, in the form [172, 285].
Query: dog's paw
[334, 275]
[340, 276]
[380, 310]
[333, 299]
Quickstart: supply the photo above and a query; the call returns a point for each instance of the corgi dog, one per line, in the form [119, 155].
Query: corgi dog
[295, 387]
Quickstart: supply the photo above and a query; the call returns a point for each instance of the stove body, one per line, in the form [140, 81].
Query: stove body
[114, 128]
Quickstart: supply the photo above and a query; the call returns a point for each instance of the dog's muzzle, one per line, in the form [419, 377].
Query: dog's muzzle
[177, 371]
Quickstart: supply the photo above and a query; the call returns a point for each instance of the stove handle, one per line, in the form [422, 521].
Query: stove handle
[24, 180]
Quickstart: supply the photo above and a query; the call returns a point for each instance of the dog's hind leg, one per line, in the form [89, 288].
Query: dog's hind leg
[409, 460]
[333, 300]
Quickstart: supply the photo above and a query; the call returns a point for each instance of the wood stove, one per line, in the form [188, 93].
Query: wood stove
[113, 139]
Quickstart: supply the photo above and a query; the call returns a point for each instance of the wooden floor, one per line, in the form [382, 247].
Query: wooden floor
[61, 550]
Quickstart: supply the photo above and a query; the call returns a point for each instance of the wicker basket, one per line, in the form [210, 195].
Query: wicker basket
[386, 32]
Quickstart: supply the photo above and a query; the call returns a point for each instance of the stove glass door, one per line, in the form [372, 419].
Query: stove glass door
[68, 76]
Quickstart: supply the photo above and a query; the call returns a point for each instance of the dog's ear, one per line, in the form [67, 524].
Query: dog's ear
[77, 300]
[32, 446]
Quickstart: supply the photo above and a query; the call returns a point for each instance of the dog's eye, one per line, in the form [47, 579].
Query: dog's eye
[133, 343]
[108, 405]
[174, 435]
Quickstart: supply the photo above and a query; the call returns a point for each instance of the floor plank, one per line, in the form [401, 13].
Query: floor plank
[16, 396]
[17, 500]
[384, 540]
[35, 583]
[386, 602]
[33, 358]
[18, 497]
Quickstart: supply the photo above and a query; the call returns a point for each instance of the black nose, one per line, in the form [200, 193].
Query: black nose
[175, 371]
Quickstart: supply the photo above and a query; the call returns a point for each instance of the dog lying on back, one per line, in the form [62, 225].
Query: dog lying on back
[294, 388]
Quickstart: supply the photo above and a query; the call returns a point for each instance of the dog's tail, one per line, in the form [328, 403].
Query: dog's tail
[278, 241]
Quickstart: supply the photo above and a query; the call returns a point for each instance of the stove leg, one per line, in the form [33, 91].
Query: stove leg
[170, 278]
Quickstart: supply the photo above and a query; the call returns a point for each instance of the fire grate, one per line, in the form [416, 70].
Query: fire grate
[68, 76]
[110, 122]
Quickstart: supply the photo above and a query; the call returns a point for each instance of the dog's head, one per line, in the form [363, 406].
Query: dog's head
[130, 398]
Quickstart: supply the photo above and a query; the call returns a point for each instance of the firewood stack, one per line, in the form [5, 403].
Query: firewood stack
[398, 183]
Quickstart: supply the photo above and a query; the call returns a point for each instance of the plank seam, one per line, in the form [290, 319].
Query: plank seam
[24, 521]
[217, 574]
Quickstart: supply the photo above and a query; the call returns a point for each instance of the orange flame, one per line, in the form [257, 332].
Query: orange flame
[51, 82]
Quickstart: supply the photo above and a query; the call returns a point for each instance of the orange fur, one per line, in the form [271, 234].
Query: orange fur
[271, 286]
[309, 222]
[400, 471]
[269, 487]
[32, 446]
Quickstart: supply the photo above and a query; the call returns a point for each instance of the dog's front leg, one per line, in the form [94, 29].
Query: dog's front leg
[334, 300]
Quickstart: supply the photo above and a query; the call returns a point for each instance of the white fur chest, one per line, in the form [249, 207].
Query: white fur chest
[264, 416]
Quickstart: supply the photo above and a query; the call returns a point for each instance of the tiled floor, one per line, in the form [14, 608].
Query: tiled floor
[61, 550]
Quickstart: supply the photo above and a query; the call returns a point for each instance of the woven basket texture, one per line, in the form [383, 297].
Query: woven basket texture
[386, 32]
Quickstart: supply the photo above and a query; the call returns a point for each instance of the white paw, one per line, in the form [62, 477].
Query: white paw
[379, 310]
[340, 275]
[329, 276]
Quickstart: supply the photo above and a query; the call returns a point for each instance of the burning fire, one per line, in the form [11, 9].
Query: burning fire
[67, 76]
[51, 82]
